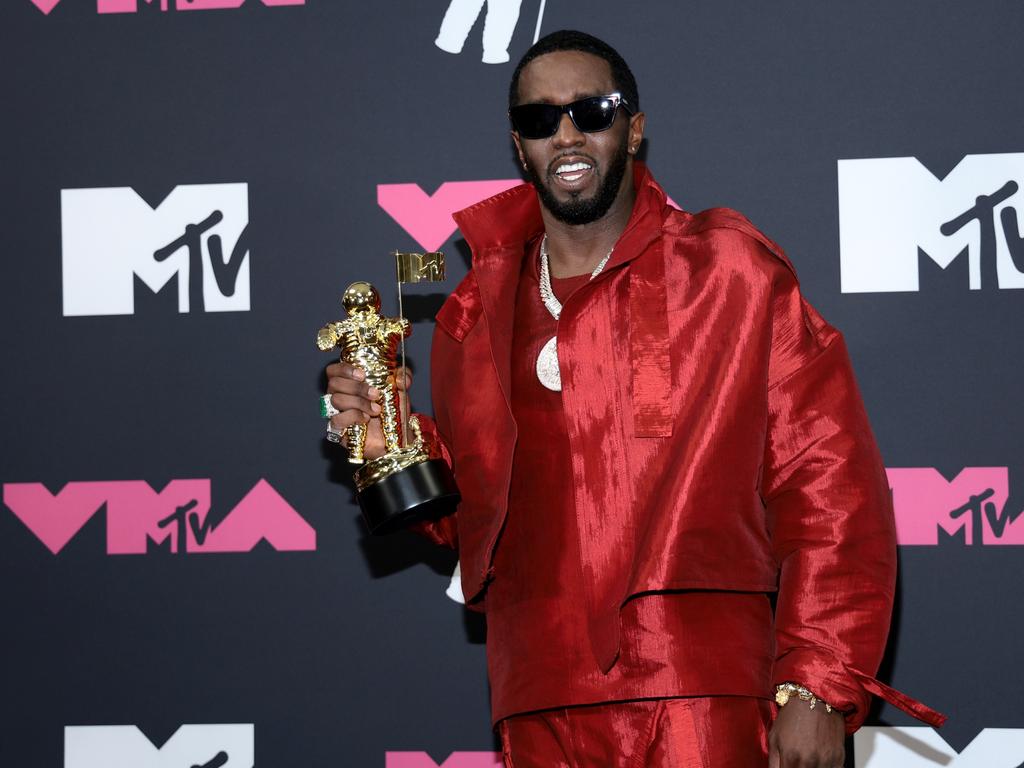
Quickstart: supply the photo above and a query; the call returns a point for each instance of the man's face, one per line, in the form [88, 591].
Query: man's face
[577, 175]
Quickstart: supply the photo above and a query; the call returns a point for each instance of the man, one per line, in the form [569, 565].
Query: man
[652, 431]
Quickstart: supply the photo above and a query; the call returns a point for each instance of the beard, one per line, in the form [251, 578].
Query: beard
[577, 210]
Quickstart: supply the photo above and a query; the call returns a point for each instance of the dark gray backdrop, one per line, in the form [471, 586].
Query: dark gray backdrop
[343, 653]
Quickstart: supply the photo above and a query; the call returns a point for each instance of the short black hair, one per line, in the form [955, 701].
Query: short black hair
[571, 40]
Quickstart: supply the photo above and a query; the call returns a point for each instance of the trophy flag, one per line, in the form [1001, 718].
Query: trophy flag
[419, 267]
[415, 268]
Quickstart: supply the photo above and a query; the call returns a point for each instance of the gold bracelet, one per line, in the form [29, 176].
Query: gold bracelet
[785, 691]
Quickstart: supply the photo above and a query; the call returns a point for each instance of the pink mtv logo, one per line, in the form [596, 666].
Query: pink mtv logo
[971, 505]
[428, 218]
[132, 6]
[175, 516]
[455, 760]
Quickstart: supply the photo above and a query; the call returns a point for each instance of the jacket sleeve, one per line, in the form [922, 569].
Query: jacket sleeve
[457, 316]
[830, 517]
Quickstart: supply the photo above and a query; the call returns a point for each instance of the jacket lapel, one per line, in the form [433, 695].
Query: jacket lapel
[497, 273]
[497, 230]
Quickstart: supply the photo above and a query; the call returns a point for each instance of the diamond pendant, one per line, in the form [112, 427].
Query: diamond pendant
[547, 366]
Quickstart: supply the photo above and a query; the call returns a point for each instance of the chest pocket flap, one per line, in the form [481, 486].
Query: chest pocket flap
[462, 309]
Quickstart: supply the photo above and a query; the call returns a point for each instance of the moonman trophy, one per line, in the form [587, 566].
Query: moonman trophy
[404, 484]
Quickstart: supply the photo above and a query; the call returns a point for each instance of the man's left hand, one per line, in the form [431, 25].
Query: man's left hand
[806, 738]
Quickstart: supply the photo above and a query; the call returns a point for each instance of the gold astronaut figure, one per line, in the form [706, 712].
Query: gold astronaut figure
[370, 341]
[404, 484]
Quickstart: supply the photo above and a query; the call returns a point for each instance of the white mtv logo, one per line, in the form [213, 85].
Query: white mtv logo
[197, 234]
[191, 746]
[875, 747]
[891, 207]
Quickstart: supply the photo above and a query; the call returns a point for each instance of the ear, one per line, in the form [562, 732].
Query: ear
[519, 149]
[636, 131]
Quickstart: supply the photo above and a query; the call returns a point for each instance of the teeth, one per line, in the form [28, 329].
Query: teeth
[571, 167]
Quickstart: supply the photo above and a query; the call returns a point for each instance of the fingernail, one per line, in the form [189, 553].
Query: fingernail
[358, 374]
[375, 408]
[373, 393]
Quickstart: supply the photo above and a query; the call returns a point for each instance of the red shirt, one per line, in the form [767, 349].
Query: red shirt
[539, 656]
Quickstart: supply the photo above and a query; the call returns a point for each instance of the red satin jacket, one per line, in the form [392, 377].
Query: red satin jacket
[719, 441]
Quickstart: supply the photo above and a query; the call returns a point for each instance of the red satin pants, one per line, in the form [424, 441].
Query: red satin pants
[711, 732]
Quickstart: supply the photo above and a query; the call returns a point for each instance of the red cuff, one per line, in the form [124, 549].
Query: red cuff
[844, 688]
[432, 438]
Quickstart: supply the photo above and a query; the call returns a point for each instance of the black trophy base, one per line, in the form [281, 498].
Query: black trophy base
[420, 492]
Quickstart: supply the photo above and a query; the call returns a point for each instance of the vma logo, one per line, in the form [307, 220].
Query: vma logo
[455, 760]
[115, 244]
[894, 213]
[191, 746]
[971, 508]
[131, 6]
[176, 518]
[882, 747]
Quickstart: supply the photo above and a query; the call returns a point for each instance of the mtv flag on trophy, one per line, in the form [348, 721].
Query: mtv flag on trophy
[419, 267]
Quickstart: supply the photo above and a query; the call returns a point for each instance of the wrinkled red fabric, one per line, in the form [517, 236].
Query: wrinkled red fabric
[716, 732]
[718, 437]
[538, 652]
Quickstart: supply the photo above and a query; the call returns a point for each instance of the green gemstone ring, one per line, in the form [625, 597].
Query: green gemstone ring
[327, 408]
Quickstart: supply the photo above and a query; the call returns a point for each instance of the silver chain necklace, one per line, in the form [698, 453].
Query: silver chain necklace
[547, 360]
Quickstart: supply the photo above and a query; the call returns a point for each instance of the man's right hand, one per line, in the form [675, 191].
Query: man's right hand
[358, 403]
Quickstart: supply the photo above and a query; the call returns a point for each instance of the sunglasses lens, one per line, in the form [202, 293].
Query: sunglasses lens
[535, 121]
[593, 114]
[540, 121]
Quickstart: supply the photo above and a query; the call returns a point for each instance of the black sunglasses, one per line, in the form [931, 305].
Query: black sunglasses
[589, 115]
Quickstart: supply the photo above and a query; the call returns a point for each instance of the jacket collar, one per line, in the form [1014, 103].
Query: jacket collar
[510, 219]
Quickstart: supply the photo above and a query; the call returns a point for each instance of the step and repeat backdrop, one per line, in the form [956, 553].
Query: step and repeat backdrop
[189, 185]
